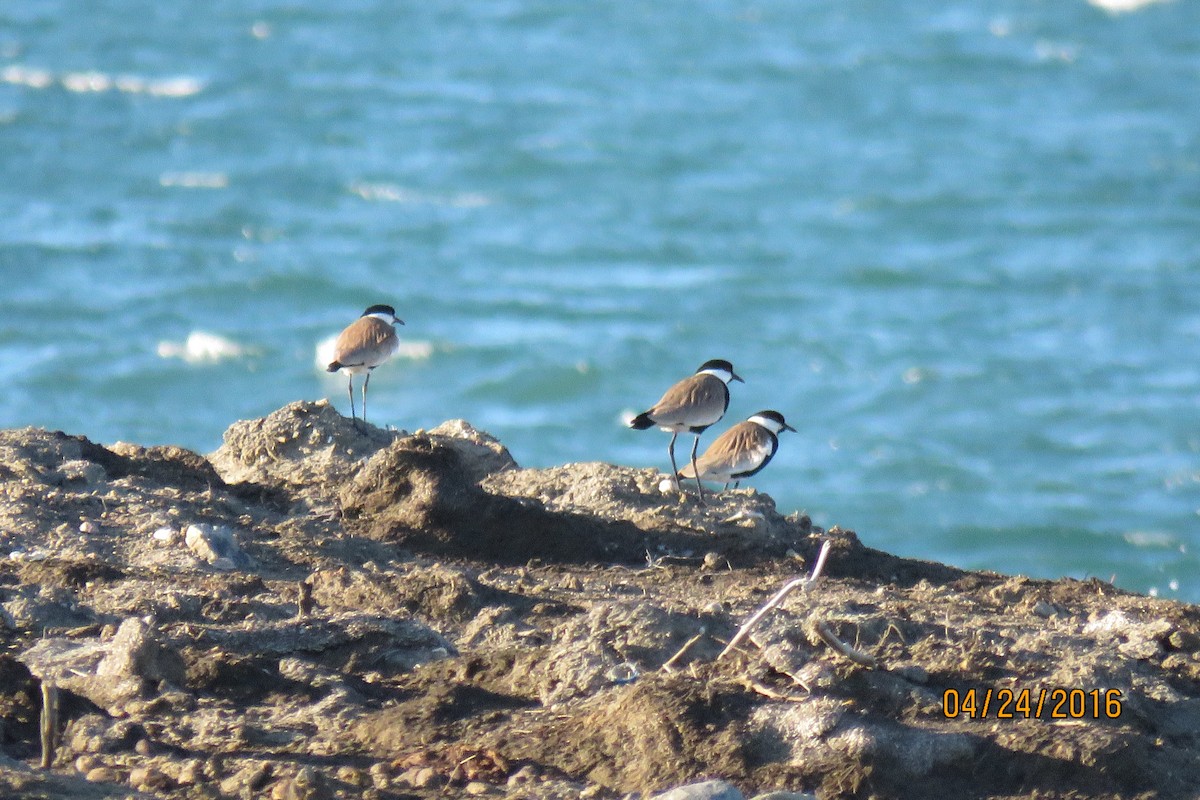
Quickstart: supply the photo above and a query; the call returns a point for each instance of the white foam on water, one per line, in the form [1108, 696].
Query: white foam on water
[1122, 6]
[201, 347]
[95, 81]
[1151, 539]
[391, 193]
[194, 180]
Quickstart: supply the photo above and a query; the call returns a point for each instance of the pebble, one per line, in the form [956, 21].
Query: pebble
[86, 763]
[424, 777]
[477, 788]
[379, 776]
[350, 775]
[625, 672]
[522, 776]
[914, 673]
[1182, 640]
[148, 779]
[102, 775]
[1044, 609]
[705, 790]
[191, 772]
[165, 535]
[252, 776]
[216, 545]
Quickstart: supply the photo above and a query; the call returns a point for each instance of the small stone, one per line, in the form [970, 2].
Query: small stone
[914, 673]
[379, 776]
[425, 777]
[212, 543]
[148, 779]
[1044, 609]
[307, 784]
[191, 772]
[1183, 640]
[522, 776]
[350, 775]
[252, 777]
[591, 791]
[86, 763]
[165, 535]
[81, 472]
[712, 561]
[477, 788]
[625, 672]
[143, 747]
[88, 527]
[102, 775]
[668, 485]
[705, 790]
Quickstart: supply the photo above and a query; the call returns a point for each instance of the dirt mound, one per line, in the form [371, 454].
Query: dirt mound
[403, 616]
[419, 493]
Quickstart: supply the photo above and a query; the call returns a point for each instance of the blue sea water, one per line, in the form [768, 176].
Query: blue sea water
[956, 244]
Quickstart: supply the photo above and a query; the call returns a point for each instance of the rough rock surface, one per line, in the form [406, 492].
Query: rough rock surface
[414, 616]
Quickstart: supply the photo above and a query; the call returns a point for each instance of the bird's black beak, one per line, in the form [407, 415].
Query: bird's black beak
[787, 427]
[398, 320]
[736, 377]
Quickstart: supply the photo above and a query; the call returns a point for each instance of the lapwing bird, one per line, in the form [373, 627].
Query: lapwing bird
[365, 344]
[741, 451]
[691, 405]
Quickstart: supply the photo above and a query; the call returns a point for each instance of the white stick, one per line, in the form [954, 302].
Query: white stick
[789, 587]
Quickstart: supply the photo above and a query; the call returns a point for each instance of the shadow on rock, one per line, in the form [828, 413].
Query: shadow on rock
[419, 494]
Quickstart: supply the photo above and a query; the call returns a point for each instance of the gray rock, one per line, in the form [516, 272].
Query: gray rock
[706, 790]
[306, 447]
[785, 796]
[80, 472]
[107, 673]
[216, 545]
[481, 453]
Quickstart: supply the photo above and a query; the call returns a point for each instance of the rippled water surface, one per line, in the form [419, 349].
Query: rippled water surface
[958, 246]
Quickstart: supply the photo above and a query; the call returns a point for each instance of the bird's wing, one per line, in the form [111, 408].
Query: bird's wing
[684, 398]
[366, 339]
[742, 448]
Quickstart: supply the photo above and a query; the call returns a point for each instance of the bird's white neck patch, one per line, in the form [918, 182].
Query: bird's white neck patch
[724, 374]
[383, 315]
[773, 425]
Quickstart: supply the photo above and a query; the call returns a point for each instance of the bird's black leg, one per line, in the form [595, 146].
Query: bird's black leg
[696, 470]
[366, 381]
[671, 453]
[736, 484]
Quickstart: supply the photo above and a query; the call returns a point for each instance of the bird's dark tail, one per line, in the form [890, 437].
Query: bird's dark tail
[335, 366]
[641, 422]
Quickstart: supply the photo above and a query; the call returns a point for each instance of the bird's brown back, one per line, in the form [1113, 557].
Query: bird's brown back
[366, 340]
[693, 394]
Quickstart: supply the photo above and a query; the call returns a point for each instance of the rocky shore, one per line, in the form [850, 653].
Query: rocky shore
[315, 611]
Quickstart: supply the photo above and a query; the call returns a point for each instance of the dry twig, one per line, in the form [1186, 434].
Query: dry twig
[798, 583]
[669, 666]
[857, 656]
[49, 723]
